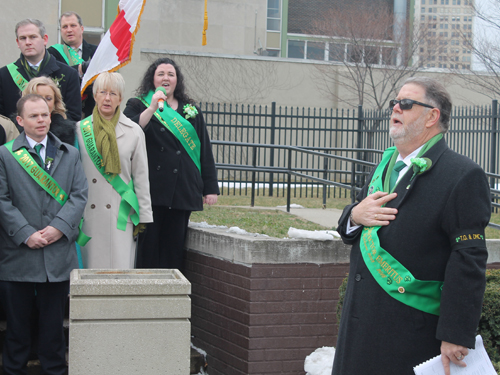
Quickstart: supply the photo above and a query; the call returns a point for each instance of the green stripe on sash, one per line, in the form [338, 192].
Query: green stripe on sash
[46, 182]
[18, 79]
[38, 174]
[69, 54]
[392, 276]
[129, 199]
[181, 129]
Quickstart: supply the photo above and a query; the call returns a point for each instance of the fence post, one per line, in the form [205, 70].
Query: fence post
[325, 176]
[359, 141]
[493, 152]
[254, 164]
[289, 184]
[271, 158]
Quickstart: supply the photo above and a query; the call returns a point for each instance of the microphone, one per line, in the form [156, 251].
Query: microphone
[161, 101]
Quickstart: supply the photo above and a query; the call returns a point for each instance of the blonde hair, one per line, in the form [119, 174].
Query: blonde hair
[32, 88]
[109, 81]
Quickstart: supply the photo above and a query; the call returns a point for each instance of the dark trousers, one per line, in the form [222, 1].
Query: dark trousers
[162, 244]
[18, 300]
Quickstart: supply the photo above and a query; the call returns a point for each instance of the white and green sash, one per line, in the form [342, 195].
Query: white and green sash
[392, 276]
[129, 198]
[179, 127]
[18, 79]
[69, 54]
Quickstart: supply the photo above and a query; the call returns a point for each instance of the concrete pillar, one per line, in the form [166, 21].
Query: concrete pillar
[129, 322]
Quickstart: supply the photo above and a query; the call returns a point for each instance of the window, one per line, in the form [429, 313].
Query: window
[354, 53]
[423, 2]
[371, 56]
[296, 48]
[422, 10]
[273, 15]
[315, 51]
[336, 52]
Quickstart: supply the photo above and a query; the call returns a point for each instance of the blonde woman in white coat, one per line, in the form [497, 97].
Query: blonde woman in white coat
[113, 142]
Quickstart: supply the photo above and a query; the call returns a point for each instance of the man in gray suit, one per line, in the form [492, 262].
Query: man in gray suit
[43, 192]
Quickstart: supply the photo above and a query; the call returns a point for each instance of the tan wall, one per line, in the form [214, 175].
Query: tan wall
[17, 10]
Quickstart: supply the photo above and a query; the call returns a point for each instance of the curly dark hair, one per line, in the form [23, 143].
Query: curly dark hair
[148, 79]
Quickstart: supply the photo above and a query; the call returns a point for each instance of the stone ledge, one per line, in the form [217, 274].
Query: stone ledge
[246, 249]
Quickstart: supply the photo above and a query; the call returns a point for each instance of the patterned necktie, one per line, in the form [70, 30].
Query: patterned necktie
[38, 148]
[395, 173]
[34, 70]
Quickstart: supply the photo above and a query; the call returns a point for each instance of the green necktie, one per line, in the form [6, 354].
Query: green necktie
[37, 148]
[34, 70]
[395, 173]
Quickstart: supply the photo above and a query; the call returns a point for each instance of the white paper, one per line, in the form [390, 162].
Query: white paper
[478, 363]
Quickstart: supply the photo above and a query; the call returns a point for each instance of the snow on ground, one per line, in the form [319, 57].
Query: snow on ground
[321, 235]
[205, 225]
[320, 361]
[293, 205]
[237, 230]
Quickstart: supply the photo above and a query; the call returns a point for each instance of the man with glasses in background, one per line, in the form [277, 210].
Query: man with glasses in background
[418, 260]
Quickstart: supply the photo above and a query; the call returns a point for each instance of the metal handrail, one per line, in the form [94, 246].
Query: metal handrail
[297, 171]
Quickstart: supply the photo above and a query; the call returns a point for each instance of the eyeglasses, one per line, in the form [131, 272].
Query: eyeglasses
[111, 94]
[407, 104]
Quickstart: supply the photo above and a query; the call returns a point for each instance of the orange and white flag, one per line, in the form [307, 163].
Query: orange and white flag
[115, 49]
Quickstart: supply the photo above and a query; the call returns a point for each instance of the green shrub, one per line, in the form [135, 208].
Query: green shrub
[489, 324]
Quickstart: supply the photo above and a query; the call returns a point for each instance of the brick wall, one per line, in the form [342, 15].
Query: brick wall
[263, 318]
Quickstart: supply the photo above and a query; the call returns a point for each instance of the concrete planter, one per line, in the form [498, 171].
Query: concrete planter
[129, 322]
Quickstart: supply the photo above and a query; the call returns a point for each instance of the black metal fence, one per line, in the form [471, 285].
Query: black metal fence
[348, 134]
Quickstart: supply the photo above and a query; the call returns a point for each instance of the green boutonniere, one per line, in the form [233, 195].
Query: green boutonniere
[190, 111]
[57, 81]
[48, 162]
[420, 165]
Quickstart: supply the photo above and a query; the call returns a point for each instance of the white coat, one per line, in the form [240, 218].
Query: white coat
[109, 246]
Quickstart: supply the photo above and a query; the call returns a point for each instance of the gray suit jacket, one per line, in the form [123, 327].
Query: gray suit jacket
[26, 208]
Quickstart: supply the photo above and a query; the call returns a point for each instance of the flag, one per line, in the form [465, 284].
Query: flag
[115, 49]
[205, 27]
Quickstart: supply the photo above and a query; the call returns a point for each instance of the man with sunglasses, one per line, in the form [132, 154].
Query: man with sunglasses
[418, 259]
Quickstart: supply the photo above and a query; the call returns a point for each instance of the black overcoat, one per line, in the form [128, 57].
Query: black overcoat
[67, 80]
[175, 181]
[88, 51]
[378, 334]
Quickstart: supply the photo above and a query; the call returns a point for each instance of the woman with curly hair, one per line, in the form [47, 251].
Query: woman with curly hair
[182, 171]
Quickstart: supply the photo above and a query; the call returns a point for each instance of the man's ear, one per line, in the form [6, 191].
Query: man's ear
[20, 120]
[433, 117]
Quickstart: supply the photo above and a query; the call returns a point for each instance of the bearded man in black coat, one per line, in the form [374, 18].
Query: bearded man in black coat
[418, 260]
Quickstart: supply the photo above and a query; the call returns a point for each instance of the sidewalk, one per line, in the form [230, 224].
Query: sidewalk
[327, 217]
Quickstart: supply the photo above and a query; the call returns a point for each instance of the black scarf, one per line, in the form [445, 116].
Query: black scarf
[29, 70]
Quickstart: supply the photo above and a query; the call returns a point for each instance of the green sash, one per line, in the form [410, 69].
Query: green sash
[46, 181]
[69, 54]
[391, 275]
[129, 199]
[181, 129]
[18, 79]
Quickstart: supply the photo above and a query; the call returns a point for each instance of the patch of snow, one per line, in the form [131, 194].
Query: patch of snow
[293, 205]
[321, 235]
[205, 225]
[320, 362]
[237, 230]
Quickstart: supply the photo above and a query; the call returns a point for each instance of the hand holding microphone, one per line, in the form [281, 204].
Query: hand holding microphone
[161, 101]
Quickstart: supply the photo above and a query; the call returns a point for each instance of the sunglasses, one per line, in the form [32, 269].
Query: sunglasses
[406, 104]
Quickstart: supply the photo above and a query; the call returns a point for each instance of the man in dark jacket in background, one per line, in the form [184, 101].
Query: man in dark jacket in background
[31, 39]
[75, 52]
